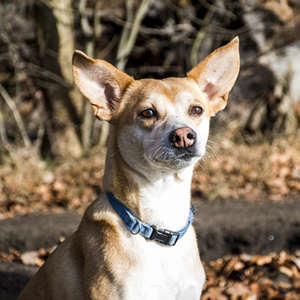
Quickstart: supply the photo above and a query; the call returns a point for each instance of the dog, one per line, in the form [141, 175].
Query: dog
[136, 241]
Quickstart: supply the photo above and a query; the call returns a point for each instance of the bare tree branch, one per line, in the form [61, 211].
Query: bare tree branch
[200, 36]
[12, 106]
[3, 134]
[129, 35]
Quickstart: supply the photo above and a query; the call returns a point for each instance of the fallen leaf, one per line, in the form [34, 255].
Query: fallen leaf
[31, 258]
[288, 272]
[263, 260]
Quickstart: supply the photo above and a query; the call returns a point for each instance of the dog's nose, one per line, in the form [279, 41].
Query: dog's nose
[183, 137]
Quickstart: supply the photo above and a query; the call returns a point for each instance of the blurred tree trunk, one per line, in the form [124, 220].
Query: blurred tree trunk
[275, 74]
[273, 111]
[56, 45]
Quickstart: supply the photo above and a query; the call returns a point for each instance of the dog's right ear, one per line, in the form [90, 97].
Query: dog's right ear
[217, 74]
[101, 83]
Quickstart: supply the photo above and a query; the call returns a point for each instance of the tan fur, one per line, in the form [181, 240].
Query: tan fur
[102, 259]
[218, 92]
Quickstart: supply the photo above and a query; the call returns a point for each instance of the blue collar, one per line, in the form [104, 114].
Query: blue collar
[136, 226]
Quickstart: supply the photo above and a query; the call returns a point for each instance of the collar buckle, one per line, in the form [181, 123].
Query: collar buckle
[164, 236]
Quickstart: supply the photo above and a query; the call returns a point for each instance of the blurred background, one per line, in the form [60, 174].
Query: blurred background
[52, 149]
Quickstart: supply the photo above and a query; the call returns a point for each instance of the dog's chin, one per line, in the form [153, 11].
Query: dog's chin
[177, 162]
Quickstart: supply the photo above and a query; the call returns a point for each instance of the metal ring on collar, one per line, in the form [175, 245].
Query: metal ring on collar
[139, 229]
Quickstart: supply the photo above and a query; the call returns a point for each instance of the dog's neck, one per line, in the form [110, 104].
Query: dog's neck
[158, 198]
[165, 201]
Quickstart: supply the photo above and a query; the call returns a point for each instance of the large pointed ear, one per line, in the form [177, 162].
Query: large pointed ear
[217, 74]
[101, 83]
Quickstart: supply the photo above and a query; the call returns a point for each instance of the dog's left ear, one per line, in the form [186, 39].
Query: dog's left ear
[217, 74]
[101, 83]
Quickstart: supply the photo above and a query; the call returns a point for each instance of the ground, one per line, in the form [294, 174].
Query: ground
[226, 230]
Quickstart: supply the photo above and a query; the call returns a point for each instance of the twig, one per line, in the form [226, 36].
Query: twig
[3, 134]
[85, 26]
[215, 8]
[129, 36]
[108, 47]
[125, 35]
[40, 136]
[37, 70]
[12, 106]
[199, 37]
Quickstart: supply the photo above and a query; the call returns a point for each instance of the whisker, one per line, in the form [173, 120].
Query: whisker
[114, 153]
[213, 152]
[143, 160]
[156, 152]
[213, 140]
[204, 160]
[202, 167]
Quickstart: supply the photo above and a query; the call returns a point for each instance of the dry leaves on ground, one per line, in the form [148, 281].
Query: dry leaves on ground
[242, 277]
[250, 277]
[251, 172]
[32, 186]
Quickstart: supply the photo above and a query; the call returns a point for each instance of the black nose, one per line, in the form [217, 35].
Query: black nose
[183, 137]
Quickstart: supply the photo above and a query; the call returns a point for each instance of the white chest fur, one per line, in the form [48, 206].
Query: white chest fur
[166, 201]
[164, 272]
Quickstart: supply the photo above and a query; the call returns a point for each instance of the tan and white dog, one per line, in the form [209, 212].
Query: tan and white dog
[159, 132]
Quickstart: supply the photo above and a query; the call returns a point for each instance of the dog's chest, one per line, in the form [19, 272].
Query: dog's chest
[165, 273]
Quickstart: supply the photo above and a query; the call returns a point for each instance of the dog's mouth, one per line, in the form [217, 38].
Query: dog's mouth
[186, 156]
[171, 157]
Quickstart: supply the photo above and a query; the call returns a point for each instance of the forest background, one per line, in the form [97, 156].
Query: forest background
[52, 148]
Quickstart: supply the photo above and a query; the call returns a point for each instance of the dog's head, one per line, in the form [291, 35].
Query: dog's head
[160, 123]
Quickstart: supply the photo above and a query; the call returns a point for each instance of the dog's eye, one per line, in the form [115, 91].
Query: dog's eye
[148, 113]
[196, 111]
